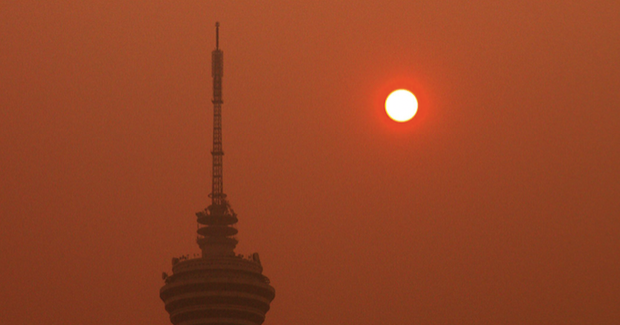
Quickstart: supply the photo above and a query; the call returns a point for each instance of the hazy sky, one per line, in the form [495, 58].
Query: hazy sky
[498, 204]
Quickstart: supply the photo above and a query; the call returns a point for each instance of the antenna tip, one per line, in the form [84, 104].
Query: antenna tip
[217, 35]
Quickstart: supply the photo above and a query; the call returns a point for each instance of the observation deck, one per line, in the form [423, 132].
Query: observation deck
[223, 290]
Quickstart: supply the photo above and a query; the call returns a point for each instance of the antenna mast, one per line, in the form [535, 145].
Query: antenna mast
[216, 223]
[217, 194]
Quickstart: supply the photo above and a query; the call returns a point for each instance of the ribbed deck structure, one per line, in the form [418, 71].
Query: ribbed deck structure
[227, 290]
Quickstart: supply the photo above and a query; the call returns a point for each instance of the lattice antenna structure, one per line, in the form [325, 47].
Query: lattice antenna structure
[217, 58]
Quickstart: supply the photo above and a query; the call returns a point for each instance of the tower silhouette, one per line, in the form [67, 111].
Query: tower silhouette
[219, 287]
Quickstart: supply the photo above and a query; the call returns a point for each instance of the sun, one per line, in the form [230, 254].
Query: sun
[401, 105]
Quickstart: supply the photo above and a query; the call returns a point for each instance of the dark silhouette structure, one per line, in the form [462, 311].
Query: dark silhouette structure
[219, 287]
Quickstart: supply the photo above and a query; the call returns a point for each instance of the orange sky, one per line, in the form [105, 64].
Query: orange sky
[497, 204]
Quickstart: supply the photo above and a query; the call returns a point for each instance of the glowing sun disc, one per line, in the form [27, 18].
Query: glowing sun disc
[401, 105]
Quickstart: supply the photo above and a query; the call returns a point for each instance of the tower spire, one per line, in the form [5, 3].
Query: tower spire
[217, 35]
[215, 238]
[217, 58]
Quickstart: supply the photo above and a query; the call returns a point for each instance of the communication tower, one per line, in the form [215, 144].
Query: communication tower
[219, 287]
